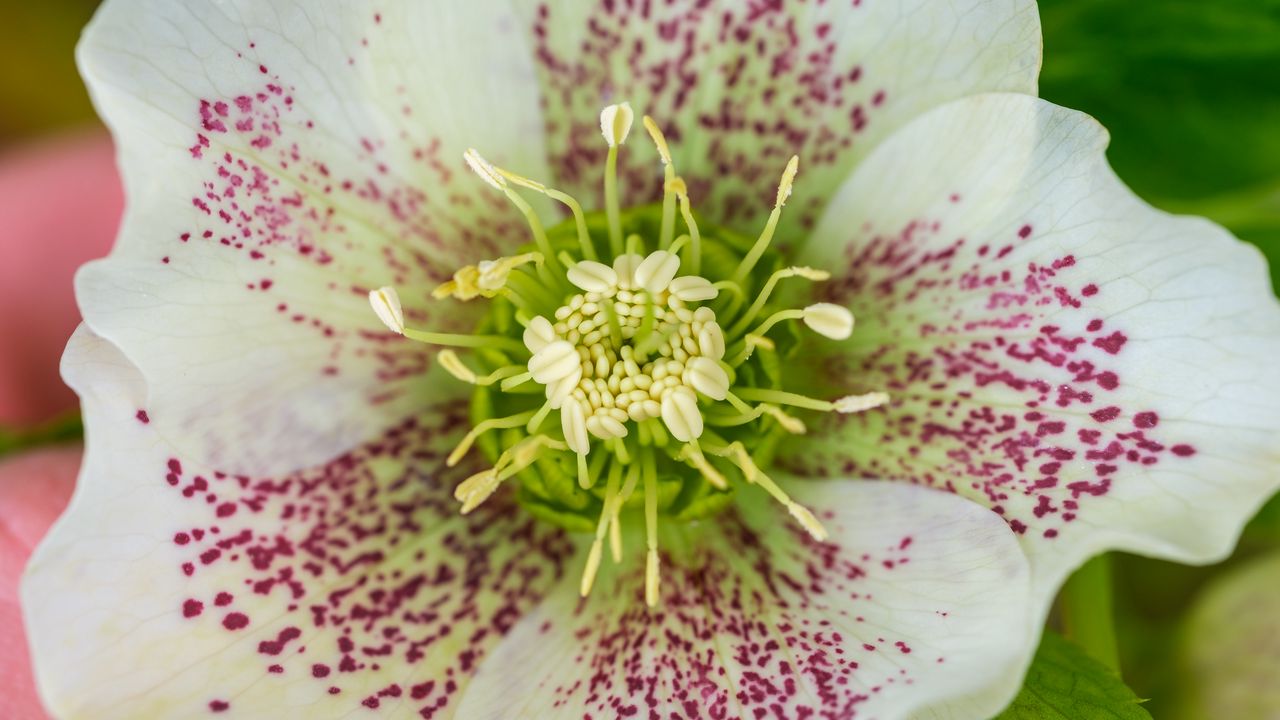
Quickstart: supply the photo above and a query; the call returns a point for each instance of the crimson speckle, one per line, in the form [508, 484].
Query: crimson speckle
[1146, 420]
[235, 621]
[219, 705]
[192, 608]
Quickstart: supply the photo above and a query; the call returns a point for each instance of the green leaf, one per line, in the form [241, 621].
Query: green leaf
[1190, 93]
[1064, 683]
[61, 430]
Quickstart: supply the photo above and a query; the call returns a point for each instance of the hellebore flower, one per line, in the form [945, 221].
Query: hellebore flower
[287, 510]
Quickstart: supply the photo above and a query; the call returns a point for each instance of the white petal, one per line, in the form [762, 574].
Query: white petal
[742, 86]
[280, 161]
[169, 587]
[907, 605]
[1099, 372]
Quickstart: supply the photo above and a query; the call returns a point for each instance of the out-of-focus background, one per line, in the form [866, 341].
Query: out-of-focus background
[1190, 91]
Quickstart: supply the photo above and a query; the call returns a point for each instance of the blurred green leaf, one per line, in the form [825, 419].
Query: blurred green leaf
[67, 429]
[1191, 94]
[1064, 683]
[1230, 652]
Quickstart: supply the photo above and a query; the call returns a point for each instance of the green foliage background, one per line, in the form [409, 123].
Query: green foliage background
[1190, 91]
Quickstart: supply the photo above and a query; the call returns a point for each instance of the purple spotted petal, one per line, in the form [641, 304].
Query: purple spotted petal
[280, 161]
[172, 589]
[1099, 373]
[906, 607]
[740, 87]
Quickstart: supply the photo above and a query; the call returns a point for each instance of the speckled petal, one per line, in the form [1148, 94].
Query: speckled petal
[738, 88]
[1100, 373]
[173, 590]
[282, 159]
[905, 607]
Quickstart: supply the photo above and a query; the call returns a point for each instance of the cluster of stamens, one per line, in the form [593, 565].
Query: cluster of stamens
[629, 345]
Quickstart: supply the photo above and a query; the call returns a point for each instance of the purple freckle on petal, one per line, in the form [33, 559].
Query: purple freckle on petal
[1089, 290]
[192, 608]
[1146, 420]
[143, 417]
[219, 705]
[319, 670]
[1183, 450]
[235, 621]
[1106, 414]
[1024, 232]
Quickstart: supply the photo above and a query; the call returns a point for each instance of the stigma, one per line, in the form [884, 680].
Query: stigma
[641, 363]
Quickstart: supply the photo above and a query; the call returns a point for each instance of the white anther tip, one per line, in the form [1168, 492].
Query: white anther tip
[615, 123]
[693, 288]
[808, 521]
[539, 334]
[860, 403]
[386, 305]
[593, 276]
[574, 424]
[656, 271]
[557, 360]
[707, 377]
[481, 167]
[681, 415]
[830, 320]
[809, 273]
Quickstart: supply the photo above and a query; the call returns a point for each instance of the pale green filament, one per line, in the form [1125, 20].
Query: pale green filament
[461, 340]
[548, 274]
[612, 211]
[651, 531]
[481, 428]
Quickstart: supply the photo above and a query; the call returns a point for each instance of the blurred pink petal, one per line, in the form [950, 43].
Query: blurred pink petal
[34, 489]
[60, 203]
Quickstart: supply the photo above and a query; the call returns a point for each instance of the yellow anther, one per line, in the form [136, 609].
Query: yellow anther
[450, 361]
[860, 403]
[386, 305]
[788, 177]
[484, 169]
[659, 140]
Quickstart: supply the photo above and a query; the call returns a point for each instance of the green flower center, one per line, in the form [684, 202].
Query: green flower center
[622, 368]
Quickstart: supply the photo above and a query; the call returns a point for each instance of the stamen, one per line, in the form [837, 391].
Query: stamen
[799, 271]
[579, 219]
[386, 305]
[695, 251]
[450, 361]
[651, 577]
[762, 243]
[847, 404]
[491, 175]
[669, 174]
[692, 454]
[615, 124]
[789, 423]
[615, 523]
[602, 527]
[481, 428]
